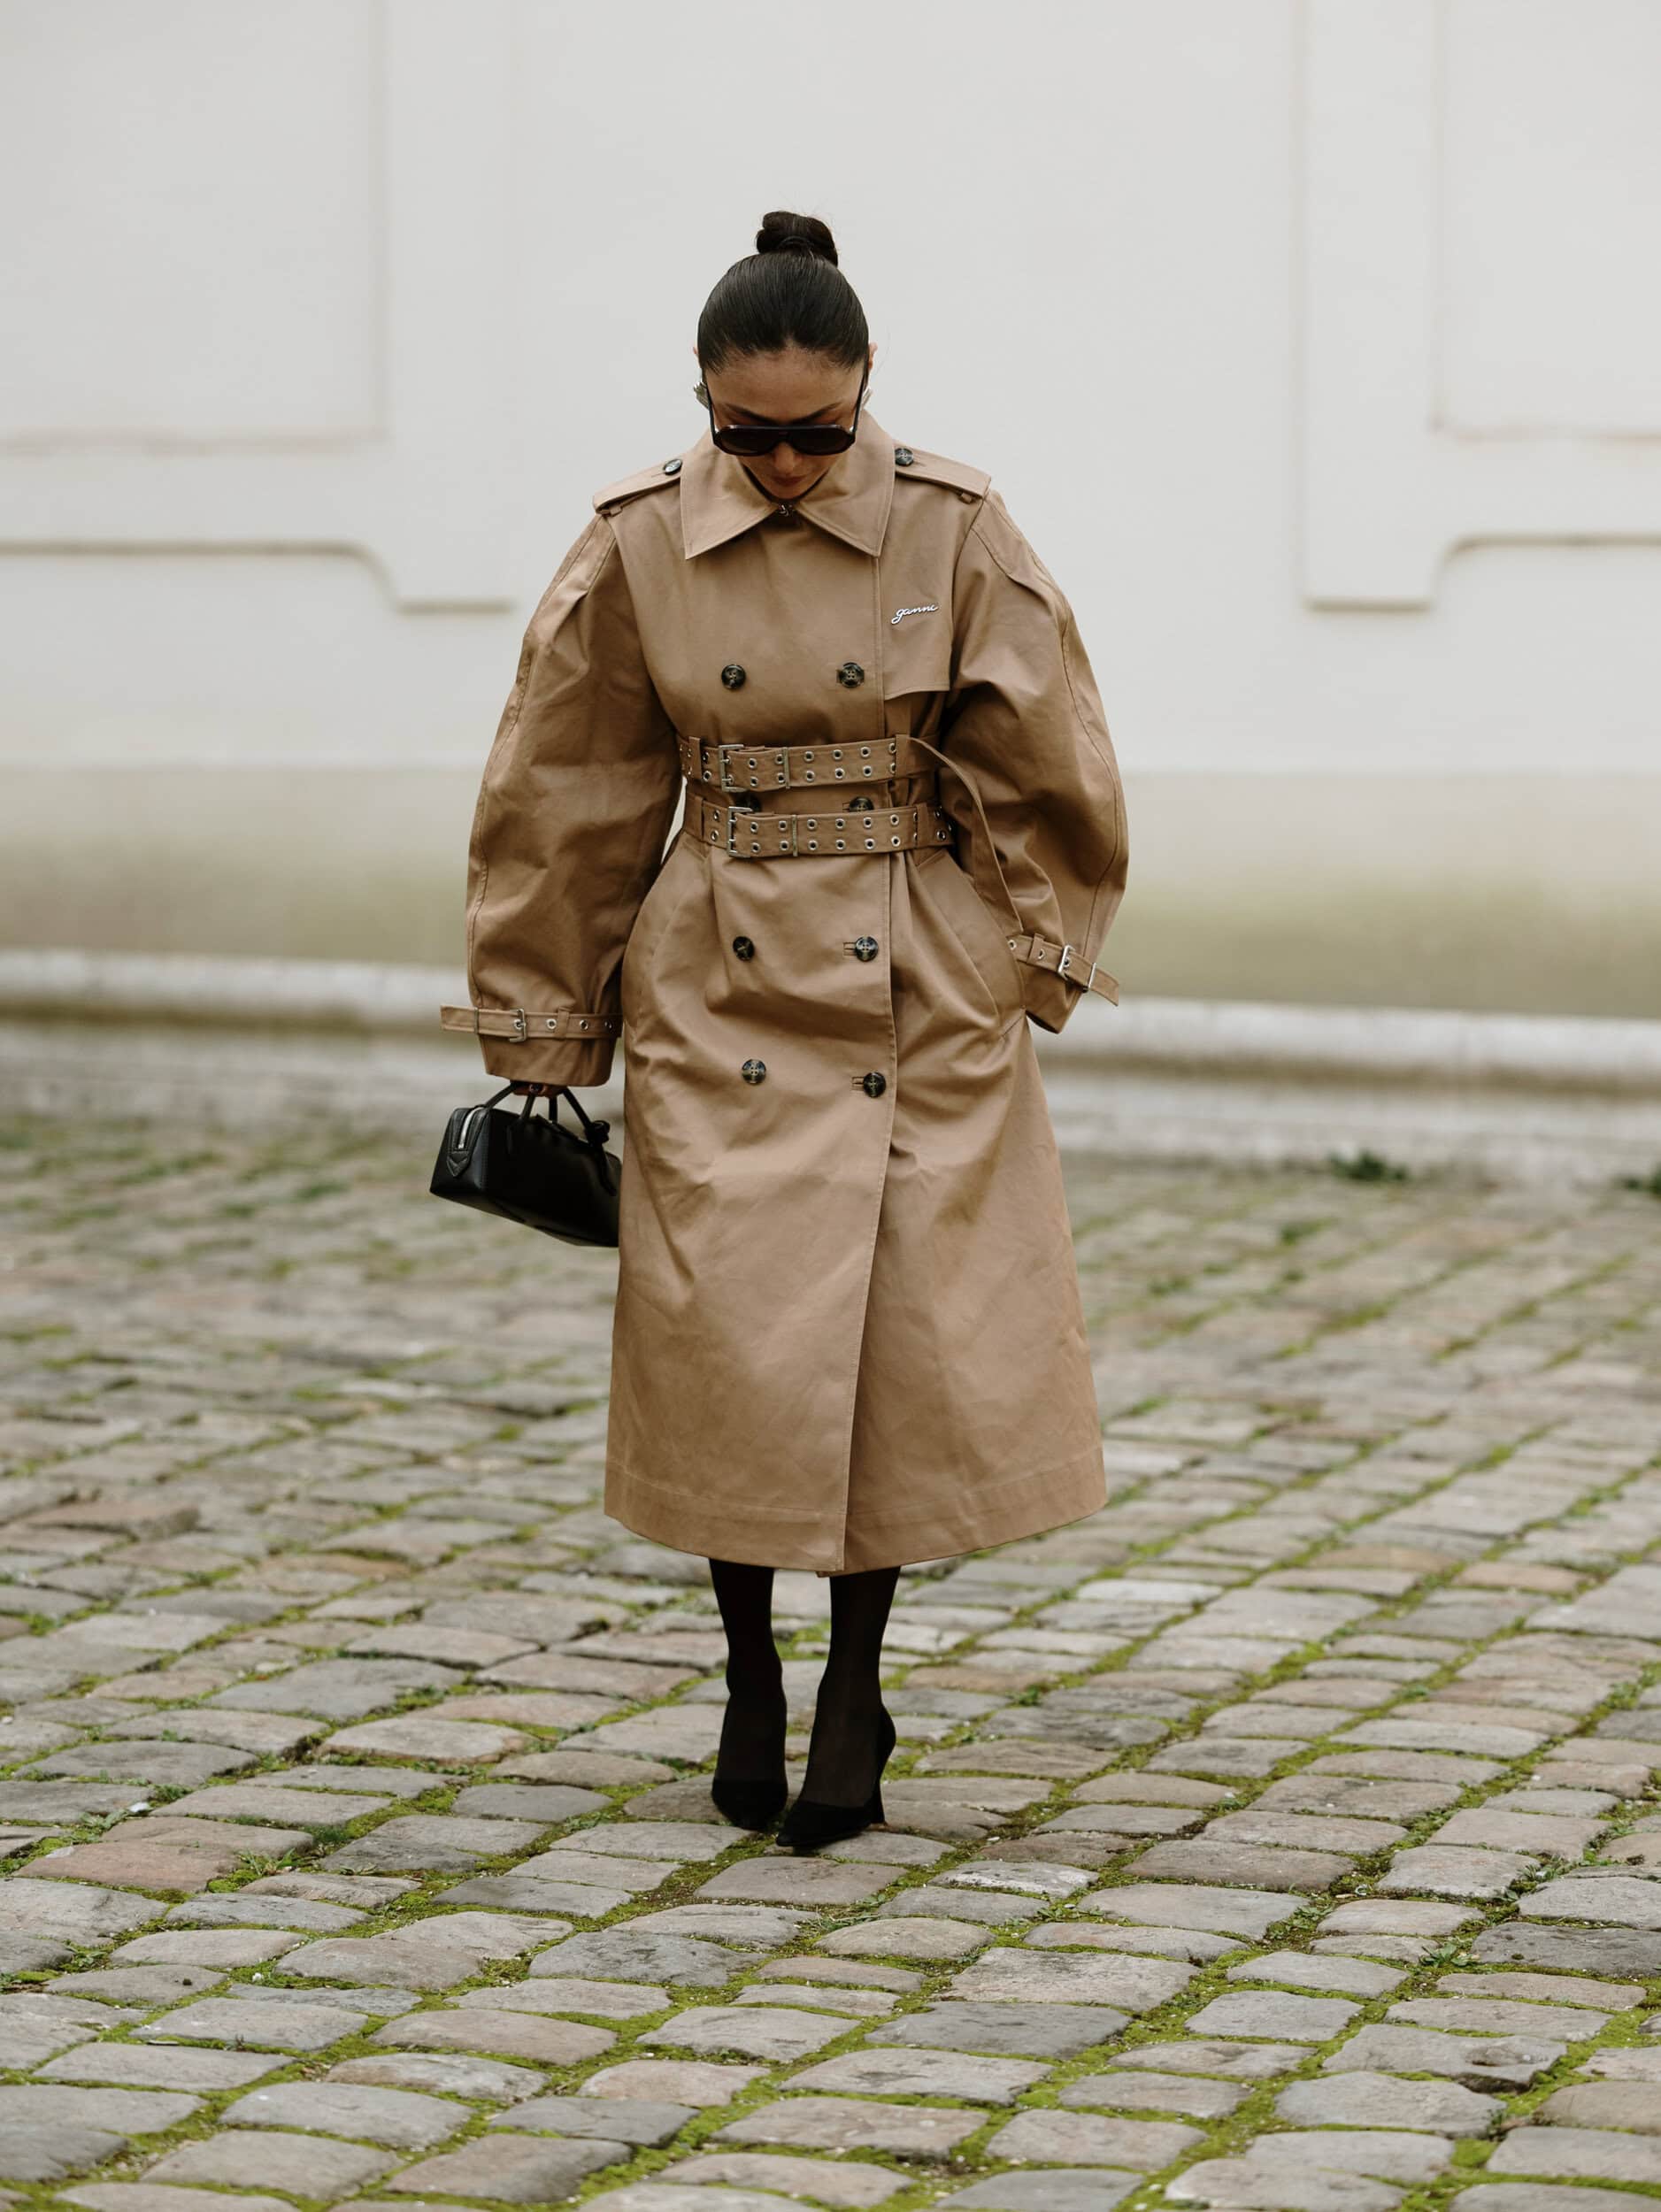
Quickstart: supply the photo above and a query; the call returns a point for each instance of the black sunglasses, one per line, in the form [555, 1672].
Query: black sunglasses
[752, 438]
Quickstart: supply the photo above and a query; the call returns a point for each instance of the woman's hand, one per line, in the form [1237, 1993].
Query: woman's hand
[535, 1090]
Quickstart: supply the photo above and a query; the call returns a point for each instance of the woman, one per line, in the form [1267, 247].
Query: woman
[849, 1332]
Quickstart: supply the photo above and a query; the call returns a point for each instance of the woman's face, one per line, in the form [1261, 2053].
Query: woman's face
[779, 388]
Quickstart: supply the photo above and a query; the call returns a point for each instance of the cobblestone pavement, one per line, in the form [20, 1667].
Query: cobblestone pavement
[1283, 1837]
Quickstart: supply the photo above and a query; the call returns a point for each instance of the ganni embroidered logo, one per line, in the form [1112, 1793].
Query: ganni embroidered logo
[932, 607]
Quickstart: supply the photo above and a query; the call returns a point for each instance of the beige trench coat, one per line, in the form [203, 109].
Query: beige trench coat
[849, 1330]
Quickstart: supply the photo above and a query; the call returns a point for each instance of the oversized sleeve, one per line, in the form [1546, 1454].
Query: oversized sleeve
[568, 834]
[1024, 718]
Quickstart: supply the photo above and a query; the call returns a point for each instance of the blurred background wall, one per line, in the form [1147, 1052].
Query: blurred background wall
[1318, 349]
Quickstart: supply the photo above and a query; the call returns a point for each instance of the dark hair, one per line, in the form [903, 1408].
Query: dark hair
[790, 292]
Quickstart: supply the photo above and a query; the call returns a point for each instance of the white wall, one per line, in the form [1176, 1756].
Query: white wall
[1316, 347]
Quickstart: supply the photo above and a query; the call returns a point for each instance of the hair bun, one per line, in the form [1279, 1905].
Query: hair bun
[781, 232]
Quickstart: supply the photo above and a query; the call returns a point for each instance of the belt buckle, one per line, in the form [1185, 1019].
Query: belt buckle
[1063, 963]
[520, 1031]
[721, 777]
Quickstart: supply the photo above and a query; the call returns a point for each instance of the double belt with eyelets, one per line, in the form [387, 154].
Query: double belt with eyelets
[748, 833]
[745, 830]
[733, 767]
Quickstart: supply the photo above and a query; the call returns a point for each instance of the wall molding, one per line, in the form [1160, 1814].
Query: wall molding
[1389, 490]
[422, 496]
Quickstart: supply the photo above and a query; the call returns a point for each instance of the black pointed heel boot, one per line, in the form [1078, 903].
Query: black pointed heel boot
[810, 1825]
[753, 1801]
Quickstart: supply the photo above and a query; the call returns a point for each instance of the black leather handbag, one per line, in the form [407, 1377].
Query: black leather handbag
[537, 1172]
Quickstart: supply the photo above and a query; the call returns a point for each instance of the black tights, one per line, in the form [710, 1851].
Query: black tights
[842, 1755]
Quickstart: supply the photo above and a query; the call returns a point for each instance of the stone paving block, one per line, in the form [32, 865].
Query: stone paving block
[206, 1946]
[1447, 1871]
[621, 1953]
[510, 2168]
[251, 2021]
[503, 2031]
[117, 2112]
[1198, 1859]
[1190, 2094]
[1579, 2154]
[299, 2165]
[1344, 1977]
[1630, 2105]
[596, 1870]
[846, 2188]
[860, 2004]
[1527, 2196]
[145, 2196]
[271, 1801]
[151, 1761]
[1058, 2189]
[923, 2073]
[1611, 1900]
[907, 1937]
[1363, 2100]
[1493, 2015]
[51, 2150]
[142, 2066]
[1092, 2138]
[633, 2120]
[750, 2031]
[433, 1843]
[811, 1882]
[336, 1689]
[760, 1927]
[1572, 1949]
[157, 1853]
[987, 1907]
[839, 2123]
[544, 1801]
[1551, 1989]
[78, 1914]
[1221, 1911]
[396, 2117]
[679, 2081]
[1038, 2031]
[1266, 2013]
[573, 1993]
[1112, 1979]
[445, 2074]
[1481, 2062]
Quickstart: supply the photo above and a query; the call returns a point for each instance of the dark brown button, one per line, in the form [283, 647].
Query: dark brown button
[755, 1071]
[874, 1084]
[903, 457]
[733, 676]
[672, 468]
[850, 673]
[743, 948]
[866, 948]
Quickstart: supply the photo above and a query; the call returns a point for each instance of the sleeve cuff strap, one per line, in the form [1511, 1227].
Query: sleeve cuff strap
[519, 1027]
[1065, 961]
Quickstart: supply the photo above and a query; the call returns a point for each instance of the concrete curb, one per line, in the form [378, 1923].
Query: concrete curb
[1370, 1045]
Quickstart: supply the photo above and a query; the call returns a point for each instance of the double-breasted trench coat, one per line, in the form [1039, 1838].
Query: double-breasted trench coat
[849, 1330]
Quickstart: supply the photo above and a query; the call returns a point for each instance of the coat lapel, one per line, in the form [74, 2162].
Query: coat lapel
[719, 498]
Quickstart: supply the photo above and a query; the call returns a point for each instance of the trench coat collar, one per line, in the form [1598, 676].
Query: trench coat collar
[719, 498]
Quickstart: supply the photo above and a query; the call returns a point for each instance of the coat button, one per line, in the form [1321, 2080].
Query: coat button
[733, 675]
[850, 673]
[874, 1084]
[755, 1071]
[743, 948]
[865, 948]
[903, 457]
[672, 468]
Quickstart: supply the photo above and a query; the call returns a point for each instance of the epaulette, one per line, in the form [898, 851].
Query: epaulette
[934, 468]
[655, 478]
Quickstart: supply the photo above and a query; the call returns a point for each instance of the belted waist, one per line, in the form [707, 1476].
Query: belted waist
[749, 833]
[735, 767]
